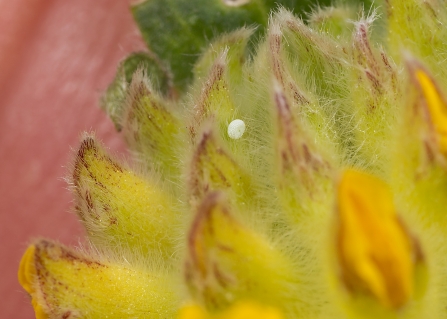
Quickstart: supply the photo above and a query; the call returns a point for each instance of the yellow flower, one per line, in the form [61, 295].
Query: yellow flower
[306, 178]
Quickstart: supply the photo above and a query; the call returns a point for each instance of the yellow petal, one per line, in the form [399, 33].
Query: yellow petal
[437, 107]
[27, 278]
[241, 310]
[374, 249]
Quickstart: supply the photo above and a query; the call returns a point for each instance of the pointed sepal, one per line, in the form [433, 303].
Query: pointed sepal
[152, 128]
[418, 26]
[304, 173]
[215, 101]
[213, 168]
[114, 99]
[120, 209]
[228, 262]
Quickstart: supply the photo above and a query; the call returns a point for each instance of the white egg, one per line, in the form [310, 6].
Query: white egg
[236, 129]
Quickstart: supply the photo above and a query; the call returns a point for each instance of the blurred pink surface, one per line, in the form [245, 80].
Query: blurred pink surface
[56, 58]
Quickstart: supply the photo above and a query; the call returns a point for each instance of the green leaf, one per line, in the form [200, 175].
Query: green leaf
[178, 30]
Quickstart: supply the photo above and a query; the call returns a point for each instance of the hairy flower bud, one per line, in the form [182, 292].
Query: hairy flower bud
[212, 168]
[227, 261]
[151, 128]
[239, 178]
[57, 277]
[119, 208]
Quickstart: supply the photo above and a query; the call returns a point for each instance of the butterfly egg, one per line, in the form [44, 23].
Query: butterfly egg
[236, 129]
[235, 3]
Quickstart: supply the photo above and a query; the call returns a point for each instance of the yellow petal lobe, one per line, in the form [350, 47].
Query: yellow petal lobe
[27, 275]
[241, 310]
[374, 249]
[436, 106]
[26, 269]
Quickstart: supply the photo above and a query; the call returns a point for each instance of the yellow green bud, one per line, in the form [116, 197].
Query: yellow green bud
[119, 208]
[151, 128]
[215, 101]
[236, 45]
[228, 262]
[212, 168]
[304, 176]
[335, 20]
[417, 26]
[67, 284]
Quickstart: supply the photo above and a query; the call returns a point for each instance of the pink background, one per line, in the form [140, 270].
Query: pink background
[56, 58]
